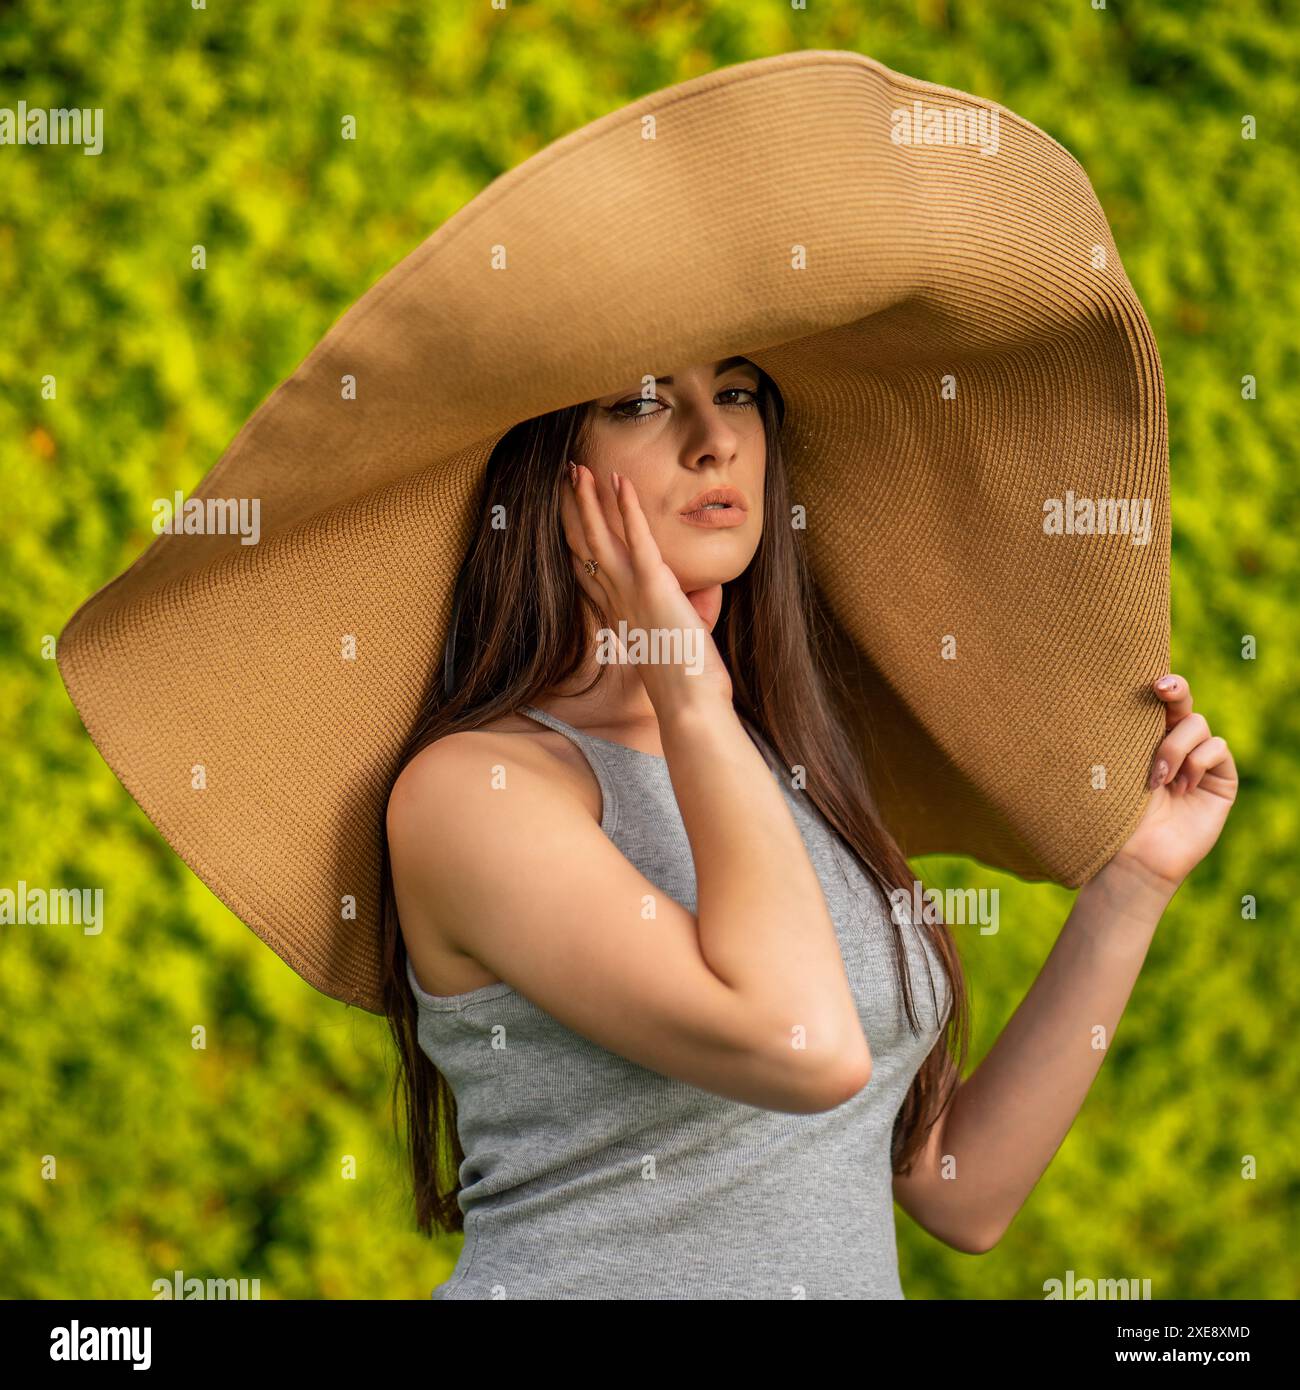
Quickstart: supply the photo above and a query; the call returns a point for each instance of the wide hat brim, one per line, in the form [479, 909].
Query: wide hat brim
[956, 343]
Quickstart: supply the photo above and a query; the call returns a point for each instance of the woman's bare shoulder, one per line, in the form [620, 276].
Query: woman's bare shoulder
[440, 778]
[448, 828]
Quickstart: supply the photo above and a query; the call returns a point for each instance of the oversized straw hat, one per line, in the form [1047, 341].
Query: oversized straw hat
[975, 429]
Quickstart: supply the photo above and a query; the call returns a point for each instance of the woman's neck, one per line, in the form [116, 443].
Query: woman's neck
[618, 700]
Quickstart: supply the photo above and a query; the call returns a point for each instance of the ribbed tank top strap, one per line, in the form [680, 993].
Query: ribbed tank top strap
[599, 754]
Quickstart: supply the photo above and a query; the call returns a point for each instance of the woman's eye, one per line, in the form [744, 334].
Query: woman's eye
[621, 411]
[631, 409]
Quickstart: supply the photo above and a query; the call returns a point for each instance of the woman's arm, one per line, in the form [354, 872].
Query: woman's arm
[763, 925]
[1004, 1123]
[497, 856]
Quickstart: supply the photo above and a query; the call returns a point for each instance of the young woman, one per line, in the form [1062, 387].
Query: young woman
[661, 1034]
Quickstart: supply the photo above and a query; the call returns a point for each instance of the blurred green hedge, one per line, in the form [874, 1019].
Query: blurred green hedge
[222, 128]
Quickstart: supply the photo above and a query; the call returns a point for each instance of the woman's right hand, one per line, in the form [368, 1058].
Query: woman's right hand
[634, 585]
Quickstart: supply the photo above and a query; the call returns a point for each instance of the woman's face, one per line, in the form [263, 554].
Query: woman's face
[697, 432]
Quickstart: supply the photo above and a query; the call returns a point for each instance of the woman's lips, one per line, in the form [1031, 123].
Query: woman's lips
[714, 517]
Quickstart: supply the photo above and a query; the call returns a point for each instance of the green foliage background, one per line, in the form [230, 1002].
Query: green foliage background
[223, 128]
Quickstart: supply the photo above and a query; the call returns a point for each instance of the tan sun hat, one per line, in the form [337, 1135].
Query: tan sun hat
[975, 428]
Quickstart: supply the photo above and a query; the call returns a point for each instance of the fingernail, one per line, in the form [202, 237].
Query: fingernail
[1159, 775]
[1166, 682]
[616, 484]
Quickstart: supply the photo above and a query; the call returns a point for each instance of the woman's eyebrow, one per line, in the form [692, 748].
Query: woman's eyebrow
[718, 368]
[725, 365]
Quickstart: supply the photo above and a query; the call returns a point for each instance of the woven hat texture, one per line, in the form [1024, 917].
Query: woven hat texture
[962, 359]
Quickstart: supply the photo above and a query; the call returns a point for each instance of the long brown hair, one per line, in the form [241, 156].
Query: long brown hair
[513, 638]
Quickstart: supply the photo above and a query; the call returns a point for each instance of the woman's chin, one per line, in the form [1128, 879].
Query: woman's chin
[696, 581]
[692, 574]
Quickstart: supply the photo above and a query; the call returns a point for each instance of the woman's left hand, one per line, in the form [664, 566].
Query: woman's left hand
[1194, 782]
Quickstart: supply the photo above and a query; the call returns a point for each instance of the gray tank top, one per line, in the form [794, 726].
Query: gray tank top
[588, 1176]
